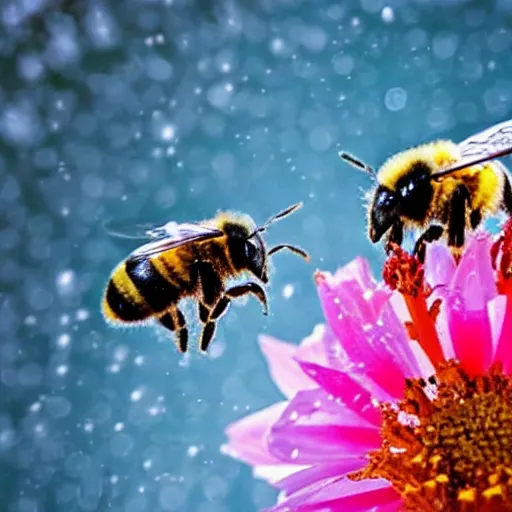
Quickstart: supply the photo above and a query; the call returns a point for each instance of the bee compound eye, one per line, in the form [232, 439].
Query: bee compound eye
[250, 250]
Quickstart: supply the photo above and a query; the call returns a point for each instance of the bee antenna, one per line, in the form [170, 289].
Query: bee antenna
[278, 216]
[357, 163]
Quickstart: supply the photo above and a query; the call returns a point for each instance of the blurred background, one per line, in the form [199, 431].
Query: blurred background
[170, 110]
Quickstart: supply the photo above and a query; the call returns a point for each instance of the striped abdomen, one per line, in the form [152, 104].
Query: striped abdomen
[138, 290]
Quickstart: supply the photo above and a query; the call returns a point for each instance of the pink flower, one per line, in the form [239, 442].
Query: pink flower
[378, 398]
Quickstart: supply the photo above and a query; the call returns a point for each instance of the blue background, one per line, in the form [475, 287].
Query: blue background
[171, 110]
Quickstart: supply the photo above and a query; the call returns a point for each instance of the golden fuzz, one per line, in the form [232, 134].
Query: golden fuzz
[435, 154]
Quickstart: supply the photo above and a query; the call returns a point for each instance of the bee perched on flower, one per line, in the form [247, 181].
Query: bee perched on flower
[442, 188]
[403, 399]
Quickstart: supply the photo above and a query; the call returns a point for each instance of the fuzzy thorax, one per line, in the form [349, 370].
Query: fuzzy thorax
[436, 155]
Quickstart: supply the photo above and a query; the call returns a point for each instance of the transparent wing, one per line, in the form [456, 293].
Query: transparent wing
[495, 139]
[175, 235]
[135, 231]
[495, 142]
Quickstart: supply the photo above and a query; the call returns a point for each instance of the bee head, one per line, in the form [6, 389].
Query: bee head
[256, 257]
[407, 193]
[256, 253]
[385, 210]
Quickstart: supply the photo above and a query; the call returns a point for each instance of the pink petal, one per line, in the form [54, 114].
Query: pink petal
[504, 346]
[368, 344]
[355, 284]
[276, 473]
[315, 428]
[335, 353]
[283, 368]
[471, 289]
[247, 438]
[443, 329]
[339, 494]
[318, 472]
[312, 347]
[439, 265]
[342, 386]
[367, 327]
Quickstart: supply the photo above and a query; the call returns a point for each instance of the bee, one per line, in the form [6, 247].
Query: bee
[191, 260]
[441, 187]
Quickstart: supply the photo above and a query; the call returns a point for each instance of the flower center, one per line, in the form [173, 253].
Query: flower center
[447, 446]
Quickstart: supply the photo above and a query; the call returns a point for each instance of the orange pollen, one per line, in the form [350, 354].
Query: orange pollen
[447, 445]
[404, 273]
[502, 251]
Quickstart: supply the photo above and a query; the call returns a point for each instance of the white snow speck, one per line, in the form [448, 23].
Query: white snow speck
[288, 291]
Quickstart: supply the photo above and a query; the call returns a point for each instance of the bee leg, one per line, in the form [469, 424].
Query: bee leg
[212, 303]
[208, 318]
[432, 233]
[211, 284]
[507, 194]
[207, 335]
[175, 321]
[254, 288]
[395, 235]
[457, 220]
[475, 218]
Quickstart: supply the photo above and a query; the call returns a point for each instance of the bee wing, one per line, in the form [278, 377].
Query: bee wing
[494, 140]
[176, 235]
[135, 231]
[492, 143]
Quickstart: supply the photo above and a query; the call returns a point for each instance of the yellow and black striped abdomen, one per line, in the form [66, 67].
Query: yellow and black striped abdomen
[136, 291]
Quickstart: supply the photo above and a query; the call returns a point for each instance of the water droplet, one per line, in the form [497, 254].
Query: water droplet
[82, 314]
[63, 340]
[387, 14]
[136, 395]
[288, 291]
[168, 132]
[61, 370]
[192, 451]
[367, 294]
[395, 99]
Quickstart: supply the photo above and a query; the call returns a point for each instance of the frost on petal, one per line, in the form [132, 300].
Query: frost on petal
[471, 289]
[315, 428]
[339, 494]
[343, 387]
[283, 368]
[247, 438]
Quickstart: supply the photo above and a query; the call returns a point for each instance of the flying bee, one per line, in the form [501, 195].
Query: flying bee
[441, 187]
[191, 260]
